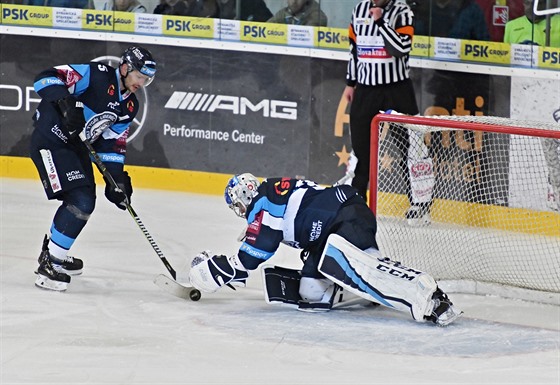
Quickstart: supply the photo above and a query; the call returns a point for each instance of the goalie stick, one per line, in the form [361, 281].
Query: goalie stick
[188, 292]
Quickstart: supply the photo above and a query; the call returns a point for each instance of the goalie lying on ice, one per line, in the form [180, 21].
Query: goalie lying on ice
[336, 231]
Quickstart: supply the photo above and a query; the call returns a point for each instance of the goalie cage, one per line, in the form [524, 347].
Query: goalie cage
[491, 230]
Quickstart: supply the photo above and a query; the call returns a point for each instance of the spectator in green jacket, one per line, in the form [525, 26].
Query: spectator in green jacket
[300, 12]
[531, 28]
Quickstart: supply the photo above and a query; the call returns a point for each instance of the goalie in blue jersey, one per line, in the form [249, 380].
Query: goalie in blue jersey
[336, 231]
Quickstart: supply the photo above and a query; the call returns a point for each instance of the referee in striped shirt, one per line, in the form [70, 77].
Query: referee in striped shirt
[377, 79]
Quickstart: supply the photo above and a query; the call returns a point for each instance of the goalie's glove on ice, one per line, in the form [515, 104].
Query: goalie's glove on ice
[72, 112]
[119, 197]
[208, 274]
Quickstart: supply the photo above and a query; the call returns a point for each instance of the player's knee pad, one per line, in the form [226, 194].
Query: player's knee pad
[80, 201]
[78, 212]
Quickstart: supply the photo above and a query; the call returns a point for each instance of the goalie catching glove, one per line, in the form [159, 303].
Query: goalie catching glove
[208, 274]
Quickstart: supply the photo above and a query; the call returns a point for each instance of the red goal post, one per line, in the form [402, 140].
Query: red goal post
[490, 219]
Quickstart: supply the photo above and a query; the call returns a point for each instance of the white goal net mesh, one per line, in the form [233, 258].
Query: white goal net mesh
[492, 208]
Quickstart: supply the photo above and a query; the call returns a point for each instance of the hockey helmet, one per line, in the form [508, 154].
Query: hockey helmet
[140, 59]
[240, 191]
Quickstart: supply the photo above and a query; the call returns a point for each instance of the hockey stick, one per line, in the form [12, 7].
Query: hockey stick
[194, 293]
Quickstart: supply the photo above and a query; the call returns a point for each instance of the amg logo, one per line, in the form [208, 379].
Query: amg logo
[192, 101]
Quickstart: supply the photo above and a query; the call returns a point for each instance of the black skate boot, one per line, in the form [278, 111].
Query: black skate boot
[68, 265]
[47, 277]
[418, 215]
[443, 312]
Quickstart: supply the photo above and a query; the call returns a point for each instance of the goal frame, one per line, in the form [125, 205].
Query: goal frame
[464, 285]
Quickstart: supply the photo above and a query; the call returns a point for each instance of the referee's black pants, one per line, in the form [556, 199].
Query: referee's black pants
[368, 101]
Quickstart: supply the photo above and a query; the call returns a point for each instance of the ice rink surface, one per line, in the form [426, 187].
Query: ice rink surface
[114, 326]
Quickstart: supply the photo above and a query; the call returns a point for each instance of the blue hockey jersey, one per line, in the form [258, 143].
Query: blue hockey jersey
[295, 212]
[108, 109]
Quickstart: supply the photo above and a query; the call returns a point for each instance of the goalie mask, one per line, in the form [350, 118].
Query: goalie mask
[141, 60]
[240, 191]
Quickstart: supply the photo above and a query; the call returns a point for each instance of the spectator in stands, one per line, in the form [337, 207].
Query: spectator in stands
[124, 6]
[249, 10]
[84, 4]
[461, 19]
[208, 8]
[436, 20]
[301, 12]
[531, 28]
[178, 7]
[470, 23]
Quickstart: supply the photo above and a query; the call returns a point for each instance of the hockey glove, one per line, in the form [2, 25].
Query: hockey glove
[72, 112]
[208, 274]
[119, 197]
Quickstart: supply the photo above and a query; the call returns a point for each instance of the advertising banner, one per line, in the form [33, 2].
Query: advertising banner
[207, 110]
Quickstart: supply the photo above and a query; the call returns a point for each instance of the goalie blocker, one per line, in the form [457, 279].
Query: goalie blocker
[369, 276]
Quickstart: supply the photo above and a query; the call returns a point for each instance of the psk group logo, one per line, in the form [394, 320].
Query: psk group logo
[188, 26]
[141, 95]
[549, 57]
[97, 20]
[335, 38]
[486, 52]
[27, 15]
[264, 33]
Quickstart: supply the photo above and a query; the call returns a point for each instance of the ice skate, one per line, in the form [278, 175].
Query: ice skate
[68, 265]
[443, 312]
[418, 215]
[48, 277]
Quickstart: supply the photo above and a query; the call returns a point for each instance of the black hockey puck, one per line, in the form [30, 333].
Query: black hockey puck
[195, 295]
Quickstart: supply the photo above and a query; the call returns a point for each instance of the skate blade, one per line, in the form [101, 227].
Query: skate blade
[424, 221]
[48, 284]
[448, 317]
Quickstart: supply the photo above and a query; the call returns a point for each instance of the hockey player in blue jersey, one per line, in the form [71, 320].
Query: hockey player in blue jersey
[98, 101]
[336, 230]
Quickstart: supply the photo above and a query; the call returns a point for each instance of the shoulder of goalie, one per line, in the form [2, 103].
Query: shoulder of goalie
[209, 273]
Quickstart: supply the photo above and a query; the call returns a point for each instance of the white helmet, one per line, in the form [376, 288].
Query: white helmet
[240, 191]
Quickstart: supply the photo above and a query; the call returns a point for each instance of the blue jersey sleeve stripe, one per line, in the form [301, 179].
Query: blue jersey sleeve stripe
[119, 128]
[47, 82]
[264, 204]
[83, 83]
[255, 253]
[111, 157]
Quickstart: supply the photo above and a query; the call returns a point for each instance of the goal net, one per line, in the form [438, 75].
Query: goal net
[485, 183]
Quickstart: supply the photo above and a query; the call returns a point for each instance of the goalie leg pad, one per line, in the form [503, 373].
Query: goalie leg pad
[377, 279]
